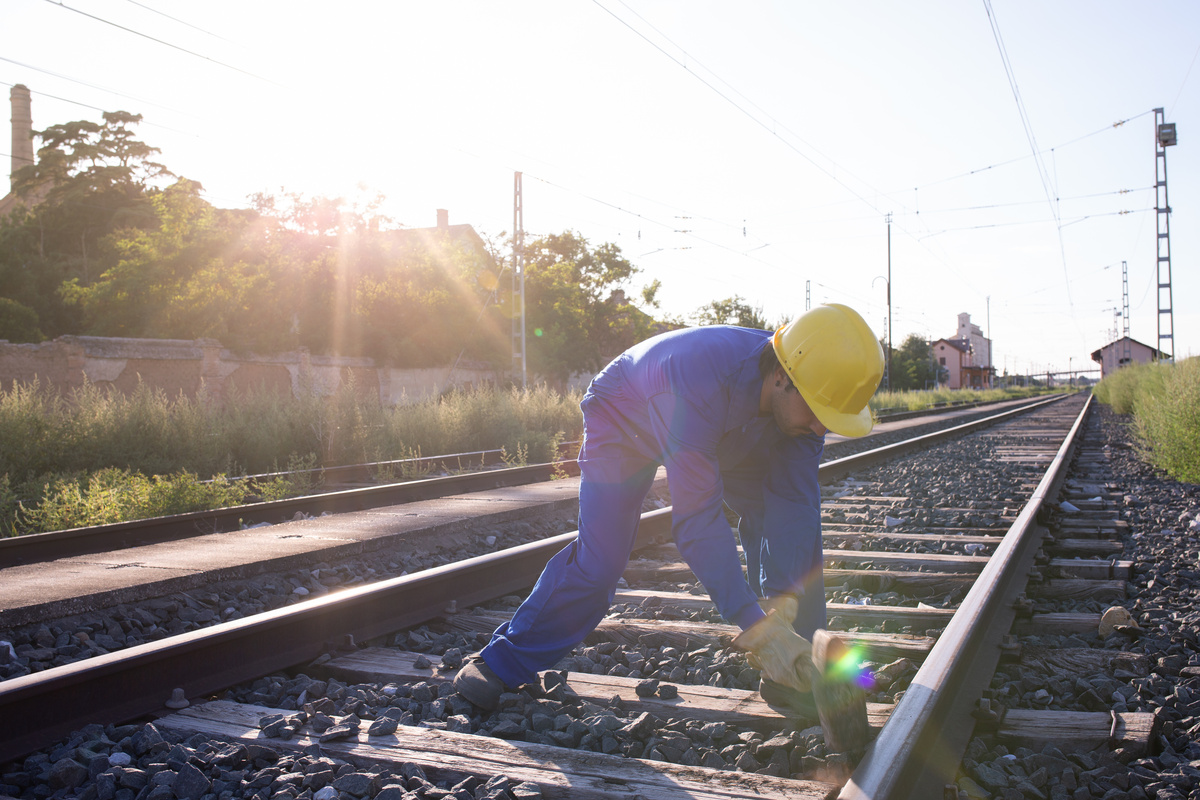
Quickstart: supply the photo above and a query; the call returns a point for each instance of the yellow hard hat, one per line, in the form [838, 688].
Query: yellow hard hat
[833, 358]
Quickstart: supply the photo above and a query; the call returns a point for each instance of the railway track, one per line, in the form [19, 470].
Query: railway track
[912, 605]
[347, 488]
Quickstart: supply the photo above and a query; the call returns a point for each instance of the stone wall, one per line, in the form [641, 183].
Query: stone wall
[181, 366]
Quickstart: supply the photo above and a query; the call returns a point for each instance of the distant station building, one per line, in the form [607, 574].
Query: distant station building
[965, 359]
[1125, 351]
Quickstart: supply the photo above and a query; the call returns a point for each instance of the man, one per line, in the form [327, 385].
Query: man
[738, 417]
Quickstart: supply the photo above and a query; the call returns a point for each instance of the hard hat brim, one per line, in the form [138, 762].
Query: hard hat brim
[852, 425]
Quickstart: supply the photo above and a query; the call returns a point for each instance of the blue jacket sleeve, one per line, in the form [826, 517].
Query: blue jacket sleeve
[688, 439]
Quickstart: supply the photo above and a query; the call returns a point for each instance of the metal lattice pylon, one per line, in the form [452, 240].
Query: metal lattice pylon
[1164, 136]
[1126, 354]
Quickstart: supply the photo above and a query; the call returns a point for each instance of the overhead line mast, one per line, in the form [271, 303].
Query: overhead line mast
[1164, 137]
[518, 284]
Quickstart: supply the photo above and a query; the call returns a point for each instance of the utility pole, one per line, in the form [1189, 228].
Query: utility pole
[1164, 137]
[990, 341]
[808, 295]
[518, 285]
[889, 288]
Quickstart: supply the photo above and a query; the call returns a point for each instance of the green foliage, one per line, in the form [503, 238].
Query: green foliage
[105, 248]
[89, 180]
[731, 311]
[1164, 400]
[577, 315]
[912, 365]
[533, 421]
[9, 508]
[930, 398]
[85, 456]
[1120, 389]
[18, 323]
[301, 478]
[116, 495]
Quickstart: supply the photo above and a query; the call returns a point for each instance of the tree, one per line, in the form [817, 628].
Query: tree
[194, 274]
[18, 323]
[912, 365]
[576, 310]
[731, 311]
[89, 180]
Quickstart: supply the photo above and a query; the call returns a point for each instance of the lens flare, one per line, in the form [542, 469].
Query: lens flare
[849, 669]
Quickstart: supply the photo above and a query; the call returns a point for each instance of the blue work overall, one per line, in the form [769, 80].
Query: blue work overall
[688, 400]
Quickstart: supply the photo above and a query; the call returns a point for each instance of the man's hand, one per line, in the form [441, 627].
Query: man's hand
[781, 654]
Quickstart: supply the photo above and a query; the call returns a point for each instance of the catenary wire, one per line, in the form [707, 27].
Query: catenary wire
[101, 110]
[90, 86]
[742, 109]
[63, 5]
[176, 19]
[1041, 167]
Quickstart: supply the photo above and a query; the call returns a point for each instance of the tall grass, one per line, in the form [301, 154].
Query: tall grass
[918, 400]
[95, 455]
[1164, 400]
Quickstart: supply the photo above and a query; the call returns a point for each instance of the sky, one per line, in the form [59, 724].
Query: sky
[753, 149]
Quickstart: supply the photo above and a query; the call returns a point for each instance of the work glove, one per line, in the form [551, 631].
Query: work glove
[787, 604]
[779, 653]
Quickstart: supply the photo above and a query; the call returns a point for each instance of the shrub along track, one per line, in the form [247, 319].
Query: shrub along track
[712, 725]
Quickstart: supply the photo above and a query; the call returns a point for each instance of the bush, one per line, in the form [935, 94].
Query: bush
[918, 400]
[18, 323]
[83, 459]
[1167, 419]
[1119, 390]
[117, 495]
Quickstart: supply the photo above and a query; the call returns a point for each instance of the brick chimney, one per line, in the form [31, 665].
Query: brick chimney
[443, 218]
[22, 129]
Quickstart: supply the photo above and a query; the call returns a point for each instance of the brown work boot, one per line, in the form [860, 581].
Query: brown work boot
[476, 682]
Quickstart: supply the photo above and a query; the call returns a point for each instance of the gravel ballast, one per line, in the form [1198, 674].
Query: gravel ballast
[149, 761]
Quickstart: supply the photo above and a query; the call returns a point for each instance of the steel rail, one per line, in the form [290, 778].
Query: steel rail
[43, 707]
[840, 468]
[36, 547]
[918, 751]
[138, 680]
[369, 471]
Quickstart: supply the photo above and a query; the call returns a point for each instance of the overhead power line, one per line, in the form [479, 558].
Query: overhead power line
[1025, 122]
[771, 129]
[101, 110]
[163, 42]
[89, 85]
[667, 226]
[176, 19]
[1076, 140]
[1186, 75]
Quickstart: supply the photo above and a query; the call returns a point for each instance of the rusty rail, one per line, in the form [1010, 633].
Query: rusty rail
[918, 751]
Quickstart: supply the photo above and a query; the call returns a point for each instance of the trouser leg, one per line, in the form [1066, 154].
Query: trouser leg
[784, 561]
[576, 588]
